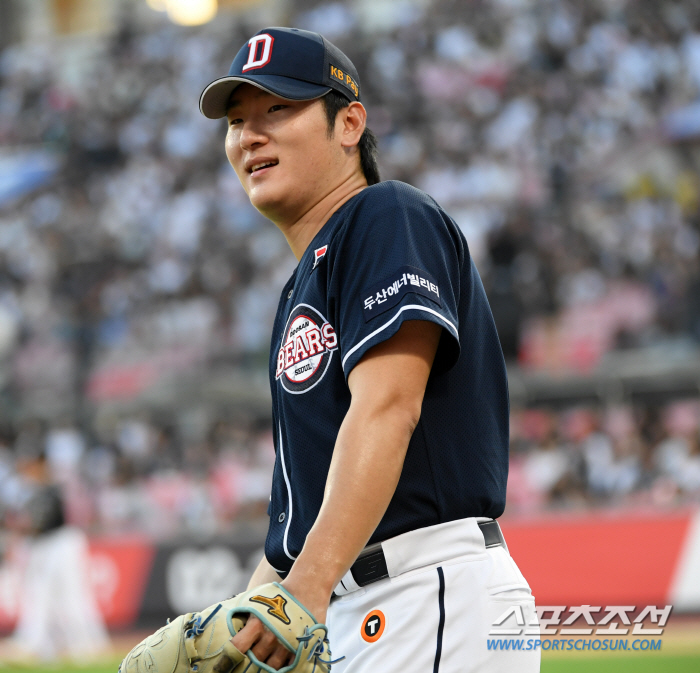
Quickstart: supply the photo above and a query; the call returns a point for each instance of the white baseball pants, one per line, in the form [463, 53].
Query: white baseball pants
[434, 612]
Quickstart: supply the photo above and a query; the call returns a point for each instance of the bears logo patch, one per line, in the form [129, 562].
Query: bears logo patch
[306, 350]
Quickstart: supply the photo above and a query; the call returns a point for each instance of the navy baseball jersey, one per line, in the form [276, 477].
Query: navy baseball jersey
[387, 255]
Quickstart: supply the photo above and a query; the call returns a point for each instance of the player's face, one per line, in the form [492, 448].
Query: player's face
[281, 152]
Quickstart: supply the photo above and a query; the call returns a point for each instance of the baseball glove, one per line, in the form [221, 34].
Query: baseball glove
[200, 642]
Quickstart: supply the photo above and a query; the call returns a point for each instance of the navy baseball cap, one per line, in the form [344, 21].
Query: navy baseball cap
[288, 62]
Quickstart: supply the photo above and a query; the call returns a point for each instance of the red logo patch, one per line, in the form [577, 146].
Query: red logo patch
[319, 254]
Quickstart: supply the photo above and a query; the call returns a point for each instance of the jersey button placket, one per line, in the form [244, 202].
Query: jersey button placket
[281, 517]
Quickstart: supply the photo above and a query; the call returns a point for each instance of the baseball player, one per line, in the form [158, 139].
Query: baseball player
[389, 390]
[58, 614]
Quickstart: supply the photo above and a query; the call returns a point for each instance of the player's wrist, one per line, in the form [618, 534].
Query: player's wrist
[314, 596]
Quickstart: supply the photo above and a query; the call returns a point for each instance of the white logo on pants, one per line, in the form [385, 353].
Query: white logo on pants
[266, 54]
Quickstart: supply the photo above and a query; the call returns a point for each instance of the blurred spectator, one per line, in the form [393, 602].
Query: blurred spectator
[538, 125]
[561, 136]
[588, 457]
[150, 478]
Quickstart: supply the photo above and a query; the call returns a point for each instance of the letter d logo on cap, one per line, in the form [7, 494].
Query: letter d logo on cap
[266, 54]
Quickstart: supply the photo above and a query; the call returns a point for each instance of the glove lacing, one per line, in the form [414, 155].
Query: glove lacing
[197, 626]
[319, 648]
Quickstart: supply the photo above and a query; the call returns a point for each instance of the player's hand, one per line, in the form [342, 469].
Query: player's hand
[263, 642]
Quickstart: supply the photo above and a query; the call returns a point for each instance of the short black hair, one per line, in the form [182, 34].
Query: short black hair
[333, 103]
[46, 510]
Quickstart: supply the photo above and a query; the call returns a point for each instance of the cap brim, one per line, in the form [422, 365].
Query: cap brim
[213, 102]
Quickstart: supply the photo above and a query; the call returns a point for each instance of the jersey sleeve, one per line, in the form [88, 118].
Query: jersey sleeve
[399, 259]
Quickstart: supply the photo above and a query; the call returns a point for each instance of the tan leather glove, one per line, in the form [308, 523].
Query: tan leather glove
[201, 642]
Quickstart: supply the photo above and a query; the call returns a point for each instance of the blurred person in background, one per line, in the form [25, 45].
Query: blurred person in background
[563, 139]
[58, 614]
[677, 456]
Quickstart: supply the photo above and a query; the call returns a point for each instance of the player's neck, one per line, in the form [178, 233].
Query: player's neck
[300, 232]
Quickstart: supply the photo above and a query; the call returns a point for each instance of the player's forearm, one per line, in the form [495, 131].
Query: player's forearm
[263, 574]
[367, 462]
[387, 387]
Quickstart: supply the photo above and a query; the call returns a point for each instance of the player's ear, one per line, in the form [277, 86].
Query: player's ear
[353, 119]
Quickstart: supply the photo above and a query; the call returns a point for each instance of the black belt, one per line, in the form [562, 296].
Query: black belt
[371, 564]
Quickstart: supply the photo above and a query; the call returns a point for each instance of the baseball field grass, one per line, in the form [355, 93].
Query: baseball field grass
[110, 666]
[680, 654]
[660, 663]
[653, 663]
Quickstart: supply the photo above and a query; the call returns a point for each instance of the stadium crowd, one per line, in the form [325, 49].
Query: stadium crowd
[561, 136]
[151, 480]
